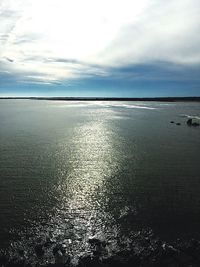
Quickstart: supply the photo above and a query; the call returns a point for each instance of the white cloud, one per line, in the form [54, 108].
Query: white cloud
[168, 31]
[35, 33]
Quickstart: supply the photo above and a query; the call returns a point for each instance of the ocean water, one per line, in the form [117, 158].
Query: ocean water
[75, 170]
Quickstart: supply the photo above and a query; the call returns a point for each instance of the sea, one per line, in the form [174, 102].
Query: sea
[75, 170]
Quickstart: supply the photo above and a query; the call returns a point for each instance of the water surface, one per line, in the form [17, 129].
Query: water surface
[72, 170]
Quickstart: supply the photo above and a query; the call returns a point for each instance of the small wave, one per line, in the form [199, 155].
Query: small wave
[102, 104]
[140, 248]
[190, 116]
[112, 105]
[136, 106]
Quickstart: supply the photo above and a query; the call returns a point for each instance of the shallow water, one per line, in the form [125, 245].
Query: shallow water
[72, 170]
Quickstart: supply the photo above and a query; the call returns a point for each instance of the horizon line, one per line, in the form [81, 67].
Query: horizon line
[67, 98]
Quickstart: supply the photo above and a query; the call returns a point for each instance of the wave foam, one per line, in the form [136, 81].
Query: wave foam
[113, 105]
[190, 116]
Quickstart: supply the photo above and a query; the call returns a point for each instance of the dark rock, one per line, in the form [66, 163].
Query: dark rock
[98, 246]
[171, 121]
[39, 250]
[189, 122]
[178, 123]
[96, 242]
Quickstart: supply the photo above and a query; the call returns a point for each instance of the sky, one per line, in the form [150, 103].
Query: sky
[130, 48]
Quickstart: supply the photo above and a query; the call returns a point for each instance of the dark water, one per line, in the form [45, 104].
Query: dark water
[72, 170]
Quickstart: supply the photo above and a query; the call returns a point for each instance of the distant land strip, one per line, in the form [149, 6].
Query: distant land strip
[162, 99]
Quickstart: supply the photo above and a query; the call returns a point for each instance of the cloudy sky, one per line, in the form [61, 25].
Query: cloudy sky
[100, 48]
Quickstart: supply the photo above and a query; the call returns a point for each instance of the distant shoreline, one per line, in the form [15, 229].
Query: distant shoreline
[159, 99]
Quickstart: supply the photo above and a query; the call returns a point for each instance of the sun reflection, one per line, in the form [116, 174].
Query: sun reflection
[82, 189]
[91, 165]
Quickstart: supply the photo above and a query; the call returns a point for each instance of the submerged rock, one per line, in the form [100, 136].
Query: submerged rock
[195, 124]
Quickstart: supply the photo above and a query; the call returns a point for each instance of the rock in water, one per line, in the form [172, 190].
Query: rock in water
[189, 122]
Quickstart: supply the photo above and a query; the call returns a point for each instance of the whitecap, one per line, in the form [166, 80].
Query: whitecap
[129, 106]
[190, 116]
